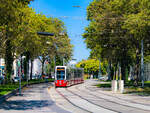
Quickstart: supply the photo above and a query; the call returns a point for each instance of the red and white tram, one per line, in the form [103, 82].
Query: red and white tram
[66, 76]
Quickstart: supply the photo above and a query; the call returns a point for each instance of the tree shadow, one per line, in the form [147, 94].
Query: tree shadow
[25, 104]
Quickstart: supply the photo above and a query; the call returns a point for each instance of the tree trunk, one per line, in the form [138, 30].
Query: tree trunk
[112, 72]
[31, 69]
[43, 61]
[50, 68]
[8, 60]
[26, 65]
[116, 71]
[123, 68]
[136, 78]
[109, 70]
[124, 65]
[21, 67]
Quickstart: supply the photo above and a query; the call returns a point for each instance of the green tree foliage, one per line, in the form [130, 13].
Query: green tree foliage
[116, 29]
[91, 66]
[11, 16]
[19, 25]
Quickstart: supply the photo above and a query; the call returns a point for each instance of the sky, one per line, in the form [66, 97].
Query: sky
[74, 19]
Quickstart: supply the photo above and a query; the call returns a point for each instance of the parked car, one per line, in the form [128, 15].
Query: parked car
[16, 79]
[103, 78]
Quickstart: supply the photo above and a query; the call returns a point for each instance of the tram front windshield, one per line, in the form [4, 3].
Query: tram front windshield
[60, 74]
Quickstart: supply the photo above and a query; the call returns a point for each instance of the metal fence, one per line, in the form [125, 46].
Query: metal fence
[147, 72]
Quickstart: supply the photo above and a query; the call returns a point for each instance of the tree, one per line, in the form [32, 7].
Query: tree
[91, 66]
[19, 25]
[116, 29]
[11, 16]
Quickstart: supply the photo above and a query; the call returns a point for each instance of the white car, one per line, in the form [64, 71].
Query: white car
[103, 78]
[16, 79]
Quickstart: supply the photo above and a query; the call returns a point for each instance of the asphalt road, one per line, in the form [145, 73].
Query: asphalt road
[35, 99]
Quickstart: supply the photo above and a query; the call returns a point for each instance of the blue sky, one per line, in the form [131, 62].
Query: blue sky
[73, 17]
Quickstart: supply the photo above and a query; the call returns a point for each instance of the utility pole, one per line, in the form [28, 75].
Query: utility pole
[99, 74]
[19, 74]
[142, 62]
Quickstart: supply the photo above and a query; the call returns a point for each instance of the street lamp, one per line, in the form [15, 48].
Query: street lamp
[99, 73]
[45, 33]
[19, 65]
[142, 62]
[77, 6]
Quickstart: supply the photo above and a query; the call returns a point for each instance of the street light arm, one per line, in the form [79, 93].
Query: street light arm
[45, 33]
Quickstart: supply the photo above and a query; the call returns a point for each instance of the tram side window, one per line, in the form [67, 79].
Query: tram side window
[60, 75]
[79, 73]
[72, 74]
[68, 74]
[75, 73]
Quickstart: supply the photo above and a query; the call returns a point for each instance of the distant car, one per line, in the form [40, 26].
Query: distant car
[16, 79]
[46, 77]
[53, 77]
[103, 78]
[35, 77]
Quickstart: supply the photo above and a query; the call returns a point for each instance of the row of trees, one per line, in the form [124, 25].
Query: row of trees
[19, 25]
[92, 66]
[116, 30]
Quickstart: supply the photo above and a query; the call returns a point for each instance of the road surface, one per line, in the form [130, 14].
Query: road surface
[35, 99]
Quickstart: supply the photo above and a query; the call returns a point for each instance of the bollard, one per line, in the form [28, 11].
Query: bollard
[121, 86]
[114, 86]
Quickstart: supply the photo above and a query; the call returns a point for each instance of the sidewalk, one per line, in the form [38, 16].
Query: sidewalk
[35, 99]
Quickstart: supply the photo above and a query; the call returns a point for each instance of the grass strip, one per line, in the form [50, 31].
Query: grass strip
[130, 89]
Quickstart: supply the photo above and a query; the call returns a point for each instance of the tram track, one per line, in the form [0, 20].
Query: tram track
[92, 102]
[119, 98]
[71, 102]
[108, 100]
[81, 93]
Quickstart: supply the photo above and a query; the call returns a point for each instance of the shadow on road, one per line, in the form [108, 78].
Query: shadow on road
[25, 104]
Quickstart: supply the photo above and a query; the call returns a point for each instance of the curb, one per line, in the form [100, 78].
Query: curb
[12, 93]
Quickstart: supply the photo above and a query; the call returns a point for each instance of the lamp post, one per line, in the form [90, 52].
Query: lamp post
[18, 70]
[142, 63]
[45, 33]
[19, 63]
[99, 74]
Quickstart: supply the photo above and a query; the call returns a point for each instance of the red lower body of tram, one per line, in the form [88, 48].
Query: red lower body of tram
[65, 77]
[66, 83]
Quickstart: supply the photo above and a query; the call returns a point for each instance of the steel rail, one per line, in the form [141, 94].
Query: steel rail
[71, 102]
[109, 101]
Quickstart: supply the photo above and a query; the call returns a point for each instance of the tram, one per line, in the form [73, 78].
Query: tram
[66, 76]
